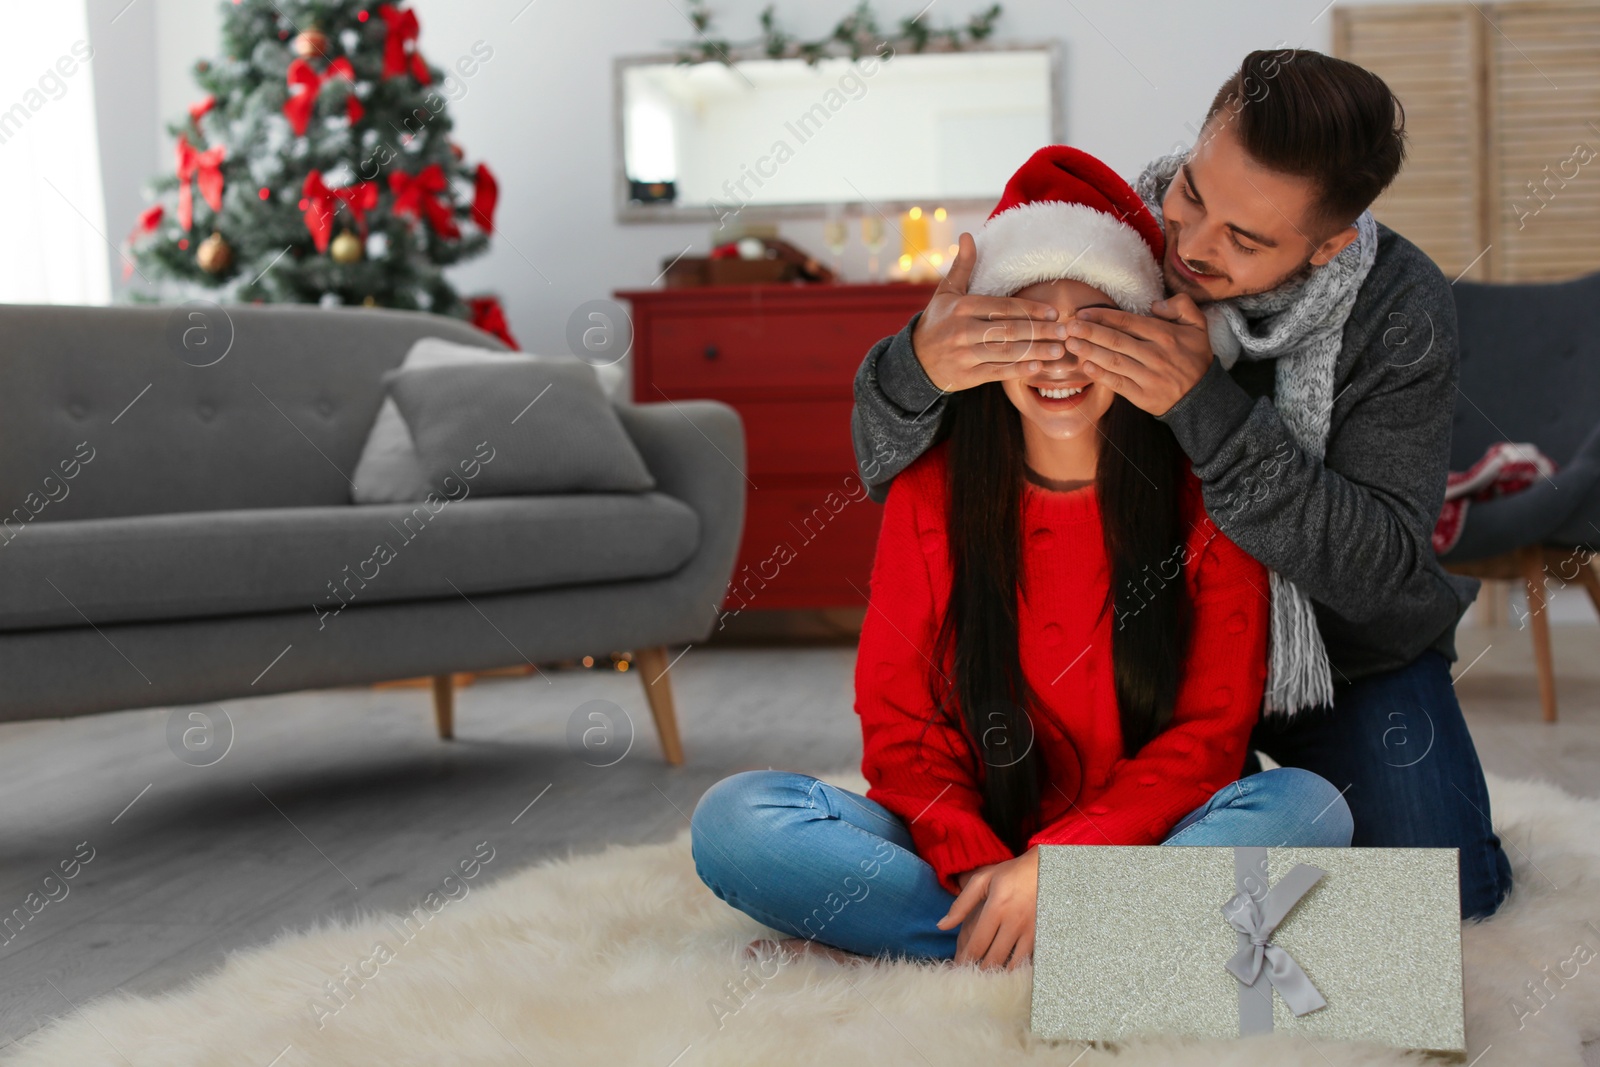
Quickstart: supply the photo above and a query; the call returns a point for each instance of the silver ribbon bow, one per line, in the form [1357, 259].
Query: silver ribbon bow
[1261, 966]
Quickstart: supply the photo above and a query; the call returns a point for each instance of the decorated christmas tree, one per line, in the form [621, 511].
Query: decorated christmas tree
[319, 169]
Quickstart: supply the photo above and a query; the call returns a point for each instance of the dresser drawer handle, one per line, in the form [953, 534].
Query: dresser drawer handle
[711, 351]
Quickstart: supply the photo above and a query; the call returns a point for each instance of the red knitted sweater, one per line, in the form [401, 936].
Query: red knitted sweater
[923, 771]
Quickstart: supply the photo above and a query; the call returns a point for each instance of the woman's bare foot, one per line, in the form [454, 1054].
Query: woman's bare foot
[800, 946]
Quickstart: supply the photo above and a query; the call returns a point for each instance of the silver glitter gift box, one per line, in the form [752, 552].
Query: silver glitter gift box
[1332, 943]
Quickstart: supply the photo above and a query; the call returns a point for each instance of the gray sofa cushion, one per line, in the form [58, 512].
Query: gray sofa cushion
[292, 559]
[536, 427]
[389, 471]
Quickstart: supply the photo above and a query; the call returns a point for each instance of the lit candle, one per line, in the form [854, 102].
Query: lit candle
[914, 233]
[939, 240]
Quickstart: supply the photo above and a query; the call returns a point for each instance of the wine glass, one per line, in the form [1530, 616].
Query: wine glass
[872, 236]
[836, 235]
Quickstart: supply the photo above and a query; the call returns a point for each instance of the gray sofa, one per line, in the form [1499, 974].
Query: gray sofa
[175, 523]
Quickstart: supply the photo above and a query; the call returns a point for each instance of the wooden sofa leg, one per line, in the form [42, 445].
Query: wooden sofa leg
[1538, 609]
[444, 705]
[652, 663]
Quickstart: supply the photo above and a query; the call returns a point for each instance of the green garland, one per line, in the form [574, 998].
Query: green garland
[855, 35]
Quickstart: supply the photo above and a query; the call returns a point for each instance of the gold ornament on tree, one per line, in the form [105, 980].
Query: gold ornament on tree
[346, 248]
[310, 43]
[214, 254]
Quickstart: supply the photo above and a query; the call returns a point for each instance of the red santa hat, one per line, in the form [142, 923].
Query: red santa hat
[1065, 214]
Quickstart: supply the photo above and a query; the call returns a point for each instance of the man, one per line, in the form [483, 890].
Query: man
[1306, 362]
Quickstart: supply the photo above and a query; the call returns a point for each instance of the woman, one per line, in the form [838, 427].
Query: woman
[1061, 648]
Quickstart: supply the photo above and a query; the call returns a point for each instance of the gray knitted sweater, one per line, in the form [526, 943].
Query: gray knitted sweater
[1351, 530]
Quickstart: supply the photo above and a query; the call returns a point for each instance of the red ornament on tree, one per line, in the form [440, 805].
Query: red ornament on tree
[320, 202]
[311, 42]
[487, 315]
[149, 219]
[297, 109]
[196, 110]
[400, 47]
[417, 195]
[485, 195]
[208, 165]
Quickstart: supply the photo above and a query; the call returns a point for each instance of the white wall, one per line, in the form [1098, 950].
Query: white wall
[127, 112]
[186, 31]
[540, 112]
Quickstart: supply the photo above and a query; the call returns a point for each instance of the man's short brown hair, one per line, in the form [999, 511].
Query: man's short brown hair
[1313, 116]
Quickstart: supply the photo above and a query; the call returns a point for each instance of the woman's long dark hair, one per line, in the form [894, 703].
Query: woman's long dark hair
[1137, 480]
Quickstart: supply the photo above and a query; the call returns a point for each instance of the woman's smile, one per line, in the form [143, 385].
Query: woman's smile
[1058, 396]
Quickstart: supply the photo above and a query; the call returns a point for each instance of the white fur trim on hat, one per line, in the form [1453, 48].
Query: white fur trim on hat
[1050, 239]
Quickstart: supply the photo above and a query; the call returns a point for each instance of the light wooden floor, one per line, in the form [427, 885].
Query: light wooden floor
[336, 802]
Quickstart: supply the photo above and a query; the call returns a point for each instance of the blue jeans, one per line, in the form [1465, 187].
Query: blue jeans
[1397, 744]
[827, 864]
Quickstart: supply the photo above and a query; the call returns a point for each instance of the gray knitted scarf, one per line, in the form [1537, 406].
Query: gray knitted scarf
[1301, 325]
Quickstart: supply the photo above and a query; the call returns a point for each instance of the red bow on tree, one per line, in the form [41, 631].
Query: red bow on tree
[485, 195]
[403, 30]
[149, 219]
[209, 166]
[299, 105]
[487, 315]
[320, 202]
[417, 195]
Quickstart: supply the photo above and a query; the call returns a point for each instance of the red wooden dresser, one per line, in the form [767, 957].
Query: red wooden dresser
[785, 357]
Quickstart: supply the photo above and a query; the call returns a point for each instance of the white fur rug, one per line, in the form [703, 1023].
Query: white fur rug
[624, 957]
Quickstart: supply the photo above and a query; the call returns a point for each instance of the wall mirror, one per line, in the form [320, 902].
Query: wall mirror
[772, 138]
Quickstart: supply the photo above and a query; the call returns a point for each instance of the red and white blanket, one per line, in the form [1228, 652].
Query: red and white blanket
[1504, 469]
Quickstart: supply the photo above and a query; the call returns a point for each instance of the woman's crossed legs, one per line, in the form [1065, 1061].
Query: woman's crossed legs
[828, 865]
